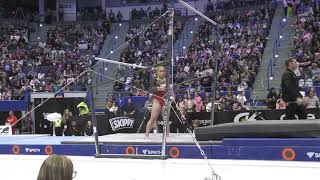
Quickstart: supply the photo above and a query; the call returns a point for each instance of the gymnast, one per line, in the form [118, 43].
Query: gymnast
[158, 99]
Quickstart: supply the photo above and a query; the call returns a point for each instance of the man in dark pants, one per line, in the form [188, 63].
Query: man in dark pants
[291, 93]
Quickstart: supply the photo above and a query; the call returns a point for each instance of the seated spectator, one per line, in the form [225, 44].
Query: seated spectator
[316, 81]
[241, 98]
[57, 167]
[111, 108]
[236, 106]
[189, 104]
[88, 131]
[312, 99]
[280, 104]
[243, 86]
[306, 81]
[203, 108]
[272, 98]
[220, 104]
[74, 130]
[208, 107]
[197, 102]
[129, 108]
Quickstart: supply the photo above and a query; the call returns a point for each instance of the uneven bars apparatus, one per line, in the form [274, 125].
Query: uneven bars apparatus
[168, 88]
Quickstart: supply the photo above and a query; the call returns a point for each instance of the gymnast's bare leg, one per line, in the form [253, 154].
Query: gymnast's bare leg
[155, 112]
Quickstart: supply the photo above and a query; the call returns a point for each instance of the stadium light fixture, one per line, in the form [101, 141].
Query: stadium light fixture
[40, 25]
[184, 47]
[281, 36]
[276, 56]
[284, 19]
[196, 19]
[116, 37]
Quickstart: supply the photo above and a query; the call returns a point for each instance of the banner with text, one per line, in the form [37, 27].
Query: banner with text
[240, 116]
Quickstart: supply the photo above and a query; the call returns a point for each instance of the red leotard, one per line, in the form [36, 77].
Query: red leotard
[159, 97]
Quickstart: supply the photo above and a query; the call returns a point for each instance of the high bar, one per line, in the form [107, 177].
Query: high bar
[120, 63]
[197, 12]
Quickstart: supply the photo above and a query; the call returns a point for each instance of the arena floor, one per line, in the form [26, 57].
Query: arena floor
[17, 167]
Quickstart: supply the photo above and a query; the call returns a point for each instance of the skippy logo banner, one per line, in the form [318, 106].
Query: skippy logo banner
[119, 123]
[5, 130]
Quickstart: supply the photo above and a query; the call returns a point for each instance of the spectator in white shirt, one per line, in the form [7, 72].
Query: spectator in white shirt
[242, 98]
[312, 100]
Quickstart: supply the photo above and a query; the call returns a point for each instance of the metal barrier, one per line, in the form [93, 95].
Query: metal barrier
[275, 50]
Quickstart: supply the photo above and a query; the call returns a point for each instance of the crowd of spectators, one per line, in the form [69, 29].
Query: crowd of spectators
[242, 36]
[51, 64]
[306, 46]
[13, 48]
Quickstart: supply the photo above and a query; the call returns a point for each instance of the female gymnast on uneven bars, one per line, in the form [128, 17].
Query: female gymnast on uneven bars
[158, 101]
